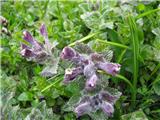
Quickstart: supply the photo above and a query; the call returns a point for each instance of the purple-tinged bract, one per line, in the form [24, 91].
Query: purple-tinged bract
[83, 108]
[107, 108]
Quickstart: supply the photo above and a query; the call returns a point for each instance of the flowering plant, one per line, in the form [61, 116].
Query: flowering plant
[95, 95]
[87, 64]
[41, 53]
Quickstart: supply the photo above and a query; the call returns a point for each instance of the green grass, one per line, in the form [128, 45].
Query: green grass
[135, 50]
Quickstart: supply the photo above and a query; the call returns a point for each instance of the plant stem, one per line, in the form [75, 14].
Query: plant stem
[147, 13]
[45, 8]
[83, 39]
[125, 80]
[113, 43]
[121, 56]
[49, 86]
[154, 71]
[120, 77]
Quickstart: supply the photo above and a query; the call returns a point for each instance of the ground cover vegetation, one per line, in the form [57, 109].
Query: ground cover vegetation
[80, 60]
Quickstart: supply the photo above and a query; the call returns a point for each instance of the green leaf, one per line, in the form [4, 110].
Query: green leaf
[156, 85]
[25, 96]
[68, 25]
[92, 19]
[83, 48]
[51, 68]
[99, 115]
[135, 50]
[138, 115]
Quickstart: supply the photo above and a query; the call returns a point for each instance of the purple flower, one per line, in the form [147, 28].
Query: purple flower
[37, 52]
[43, 31]
[93, 103]
[71, 74]
[110, 68]
[68, 53]
[88, 64]
[28, 37]
[91, 82]
[83, 108]
[97, 57]
[89, 69]
[107, 108]
[27, 53]
[111, 98]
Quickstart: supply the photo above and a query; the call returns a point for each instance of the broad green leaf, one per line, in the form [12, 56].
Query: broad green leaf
[51, 68]
[91, 19]
[25, 96]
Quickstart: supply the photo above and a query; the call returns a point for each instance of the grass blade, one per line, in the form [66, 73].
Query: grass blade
[113, 43]
[147, 13]
[135, 50]
[83, 39]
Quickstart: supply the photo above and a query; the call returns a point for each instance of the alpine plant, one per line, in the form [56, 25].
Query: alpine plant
[41, 53]
[87, 65]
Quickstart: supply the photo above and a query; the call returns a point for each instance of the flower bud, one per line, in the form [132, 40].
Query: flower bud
[43, 31]
[68, 53]
[28, 37]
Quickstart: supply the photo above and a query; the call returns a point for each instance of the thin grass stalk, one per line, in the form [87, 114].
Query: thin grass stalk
[135, 50]
[113, 44]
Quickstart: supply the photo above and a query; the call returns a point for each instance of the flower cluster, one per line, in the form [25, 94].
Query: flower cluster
[87, 65]
[45, 53]
[36, 52]
[103, 100]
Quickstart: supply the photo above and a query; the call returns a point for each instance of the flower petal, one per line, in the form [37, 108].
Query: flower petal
[71, 74]
[109, 97]
[68, 53]
[27, 53]
[28, 37]
[43, 31]
[110, 68]
[91, 82]
[97, 57]
[83, 108]
[24, 46]
[89, 70]
[107, 108]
